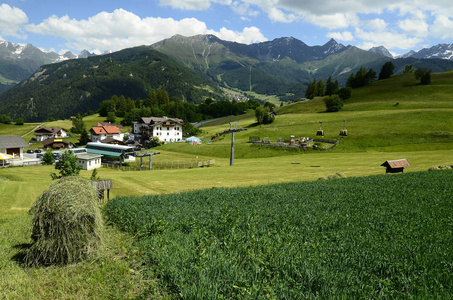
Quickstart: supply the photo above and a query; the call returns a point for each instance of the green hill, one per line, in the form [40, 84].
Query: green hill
[64, 89]
[395, 114]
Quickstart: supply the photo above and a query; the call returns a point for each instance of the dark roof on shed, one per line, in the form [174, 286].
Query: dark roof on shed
[54, 140]
[12, 141]
[398, 163]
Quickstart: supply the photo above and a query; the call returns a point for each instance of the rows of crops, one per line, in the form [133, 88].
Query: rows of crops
[383, 236]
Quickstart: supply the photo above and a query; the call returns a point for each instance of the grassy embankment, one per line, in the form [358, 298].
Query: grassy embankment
[418, 128]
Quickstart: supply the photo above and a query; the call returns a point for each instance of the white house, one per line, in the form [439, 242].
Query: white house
[89, 161]
[98, 133]
[166, 129]
[44, 133]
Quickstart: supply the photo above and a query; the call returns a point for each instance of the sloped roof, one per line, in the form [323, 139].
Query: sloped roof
[12, 141]
[158, 120]
[398, 163]
[54, 140]
[105, 129]
[47, 130]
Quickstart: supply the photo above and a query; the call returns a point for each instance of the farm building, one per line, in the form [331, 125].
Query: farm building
[395, 166]
[166, 129]
[120, 152]
[89, 161]
[44, 133]
[13, 145]
[54, 143]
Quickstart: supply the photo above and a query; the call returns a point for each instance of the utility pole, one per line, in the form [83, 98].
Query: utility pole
[233, 128]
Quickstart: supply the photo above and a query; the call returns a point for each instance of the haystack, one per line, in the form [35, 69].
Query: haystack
[67, 223]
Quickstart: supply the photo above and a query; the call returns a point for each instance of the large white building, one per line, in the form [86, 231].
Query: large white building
[166, 129]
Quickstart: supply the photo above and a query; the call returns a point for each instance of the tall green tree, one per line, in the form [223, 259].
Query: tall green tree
[424, 75]
[105, 107]
[319, 88]
[386, 70]
[67, 165]
[84, 137]
[310, 93]
[77, 124]
[331, 86]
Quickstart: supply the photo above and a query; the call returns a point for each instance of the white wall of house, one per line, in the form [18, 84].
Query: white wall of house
[168, 132]
[100, 137]
[89, 164]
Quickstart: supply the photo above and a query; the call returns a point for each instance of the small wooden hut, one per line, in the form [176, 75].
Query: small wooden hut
[101, 186]
[395, 166]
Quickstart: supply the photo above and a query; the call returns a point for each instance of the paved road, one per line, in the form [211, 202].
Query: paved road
[198, 124]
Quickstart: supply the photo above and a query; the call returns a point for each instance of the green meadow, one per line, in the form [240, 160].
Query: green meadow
[390, 119]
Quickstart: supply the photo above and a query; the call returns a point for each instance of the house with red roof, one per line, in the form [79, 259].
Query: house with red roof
[99, 133]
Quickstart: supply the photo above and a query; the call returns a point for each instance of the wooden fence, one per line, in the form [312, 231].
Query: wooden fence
[166, 165]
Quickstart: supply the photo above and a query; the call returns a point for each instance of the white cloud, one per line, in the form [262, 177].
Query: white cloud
[192, 4]
[442, 27]
[387, 39]
[416, 27]
[376, 25]
[247, 36]
[11, 21]
[122, 29]
[345, 36]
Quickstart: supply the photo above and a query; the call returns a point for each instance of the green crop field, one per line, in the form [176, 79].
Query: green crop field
[390, 119]
[370, 237]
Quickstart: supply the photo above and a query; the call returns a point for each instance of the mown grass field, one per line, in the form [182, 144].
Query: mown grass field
[419, 128]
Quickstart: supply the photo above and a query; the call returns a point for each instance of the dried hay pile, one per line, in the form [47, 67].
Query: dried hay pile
[67, 223]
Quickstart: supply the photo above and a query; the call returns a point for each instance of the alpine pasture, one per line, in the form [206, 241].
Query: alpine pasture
[369, 235]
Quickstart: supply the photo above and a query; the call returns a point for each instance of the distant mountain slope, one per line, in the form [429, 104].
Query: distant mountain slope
[18, 62]
[442, 51]
[66, 88]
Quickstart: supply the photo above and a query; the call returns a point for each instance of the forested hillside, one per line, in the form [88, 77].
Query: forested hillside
[64, 89]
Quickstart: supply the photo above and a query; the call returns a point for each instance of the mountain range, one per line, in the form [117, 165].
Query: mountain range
[190, 68]
[19, 62]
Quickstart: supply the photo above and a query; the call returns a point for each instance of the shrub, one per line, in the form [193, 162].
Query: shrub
[47, 158]
[333, 103]
[67, 165]
[67, 224]
[424, 75]
[345, 93]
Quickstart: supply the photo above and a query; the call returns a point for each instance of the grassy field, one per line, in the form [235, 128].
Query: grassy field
[419, 128]
[369, 237]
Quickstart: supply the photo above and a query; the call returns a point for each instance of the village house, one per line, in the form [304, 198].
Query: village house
[13, 145]
[54, 143]
[44, 133]
[166, 129]
[100, 132]
[89, 161]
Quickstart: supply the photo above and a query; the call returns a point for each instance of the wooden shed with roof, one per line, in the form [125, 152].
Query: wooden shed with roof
[395, 166]
[13, 145]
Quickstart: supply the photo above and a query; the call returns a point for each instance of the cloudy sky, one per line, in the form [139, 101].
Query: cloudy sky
[100, 25]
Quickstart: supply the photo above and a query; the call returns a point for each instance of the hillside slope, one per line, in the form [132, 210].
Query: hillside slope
[391, 115]
[64, 89]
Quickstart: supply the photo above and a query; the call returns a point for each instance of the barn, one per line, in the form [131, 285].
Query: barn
[395, 166]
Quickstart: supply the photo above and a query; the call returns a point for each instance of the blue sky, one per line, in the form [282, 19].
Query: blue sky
[99, 25]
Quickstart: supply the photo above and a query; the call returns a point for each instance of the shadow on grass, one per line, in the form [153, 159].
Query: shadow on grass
[19, 257]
